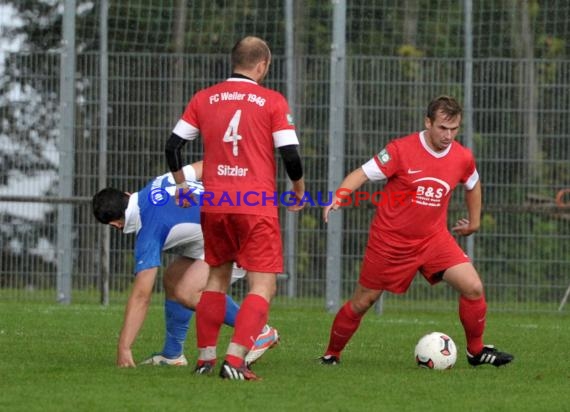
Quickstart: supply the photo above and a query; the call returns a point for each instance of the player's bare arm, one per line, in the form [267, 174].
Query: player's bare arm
[182, 189]
[135, 313]
[198, 168]
[467, 226]
[350, 183]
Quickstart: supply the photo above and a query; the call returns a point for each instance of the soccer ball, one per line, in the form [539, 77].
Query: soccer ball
[436, 350]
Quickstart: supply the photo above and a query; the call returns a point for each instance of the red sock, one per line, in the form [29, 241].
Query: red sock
[251, 318]
[472, 315]
[345, 324]
[210, 313]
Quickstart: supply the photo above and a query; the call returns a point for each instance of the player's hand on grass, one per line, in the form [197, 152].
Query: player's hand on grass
[125, 359]
[463, 227]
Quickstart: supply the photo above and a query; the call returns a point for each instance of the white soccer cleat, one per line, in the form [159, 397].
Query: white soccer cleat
[266, 340]
[158, 360]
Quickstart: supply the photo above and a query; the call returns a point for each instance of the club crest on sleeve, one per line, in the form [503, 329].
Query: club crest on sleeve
[384, 156]
[290, 119]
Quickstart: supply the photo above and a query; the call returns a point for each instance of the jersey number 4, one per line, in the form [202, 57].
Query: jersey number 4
[232, 135]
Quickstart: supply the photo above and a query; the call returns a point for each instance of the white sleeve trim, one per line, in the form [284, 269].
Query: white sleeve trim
[472, 181]
[285, 138]
[133, 215]
[185, 130]
[372, 171]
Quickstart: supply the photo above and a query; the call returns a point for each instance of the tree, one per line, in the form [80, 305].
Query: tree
[28, 131]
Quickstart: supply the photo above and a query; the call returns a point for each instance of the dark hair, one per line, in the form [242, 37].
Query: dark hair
[110, 204]
[249, 51]
[447, 105]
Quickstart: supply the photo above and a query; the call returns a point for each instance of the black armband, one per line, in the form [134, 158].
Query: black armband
[292, 161]
[172, 152]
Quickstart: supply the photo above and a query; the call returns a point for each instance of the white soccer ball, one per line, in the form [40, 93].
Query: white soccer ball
[436, 350]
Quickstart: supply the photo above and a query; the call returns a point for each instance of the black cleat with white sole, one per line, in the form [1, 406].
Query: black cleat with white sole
[205, 368]
[489, 356]
[329, 360]
[243, 373]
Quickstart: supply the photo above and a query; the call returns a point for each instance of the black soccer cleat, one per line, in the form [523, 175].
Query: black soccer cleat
[329, 360]
[489, 355]
[205, 368]
[243, 373]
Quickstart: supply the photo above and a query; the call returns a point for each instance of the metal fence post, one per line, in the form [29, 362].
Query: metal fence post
[290, 218]
[468, 98]
[336, 153]
[105, 240]
[66, 155]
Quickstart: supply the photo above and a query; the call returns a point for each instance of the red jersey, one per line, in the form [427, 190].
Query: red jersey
[419, 186]
[241, 123]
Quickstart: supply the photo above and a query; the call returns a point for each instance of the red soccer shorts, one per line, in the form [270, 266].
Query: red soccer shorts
[391, 265]
[253, 242]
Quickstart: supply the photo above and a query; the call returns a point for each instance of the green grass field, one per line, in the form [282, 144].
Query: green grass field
[61, 358]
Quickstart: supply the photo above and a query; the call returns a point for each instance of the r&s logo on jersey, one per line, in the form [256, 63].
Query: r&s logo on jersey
[430, 191]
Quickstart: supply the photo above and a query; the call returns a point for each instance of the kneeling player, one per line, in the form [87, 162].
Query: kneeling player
[160, 225]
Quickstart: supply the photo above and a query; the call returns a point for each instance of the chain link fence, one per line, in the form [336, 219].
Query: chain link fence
[136, 63]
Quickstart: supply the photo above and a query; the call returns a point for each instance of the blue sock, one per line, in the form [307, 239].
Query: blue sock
[232, 309]
[177, 318]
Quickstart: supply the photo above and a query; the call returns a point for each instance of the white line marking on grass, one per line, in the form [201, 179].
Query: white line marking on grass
[405, 321]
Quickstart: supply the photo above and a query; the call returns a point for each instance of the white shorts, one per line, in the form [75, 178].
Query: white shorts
[186, 239]
[237, 273]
